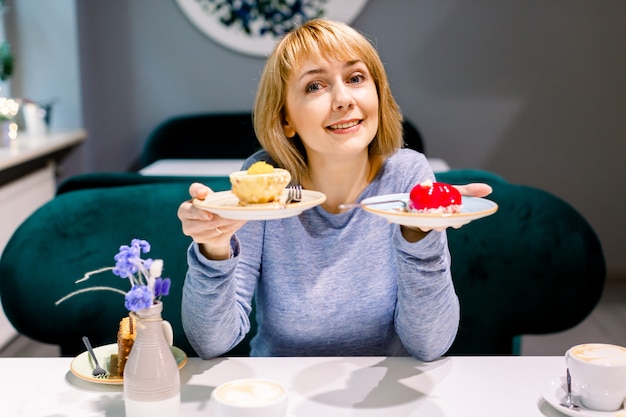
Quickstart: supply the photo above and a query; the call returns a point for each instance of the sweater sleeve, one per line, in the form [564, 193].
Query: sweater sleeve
[215, 304]
[427, 311]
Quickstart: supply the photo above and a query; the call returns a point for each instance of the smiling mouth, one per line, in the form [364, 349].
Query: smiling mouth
[344, 125]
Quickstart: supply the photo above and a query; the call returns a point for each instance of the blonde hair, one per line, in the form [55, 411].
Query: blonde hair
[331, 40]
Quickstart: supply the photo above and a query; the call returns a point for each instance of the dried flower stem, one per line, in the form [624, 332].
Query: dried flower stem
[90, 273]
[89, 289]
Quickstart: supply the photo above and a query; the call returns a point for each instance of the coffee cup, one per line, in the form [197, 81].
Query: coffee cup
[251, 397]
[598, 372]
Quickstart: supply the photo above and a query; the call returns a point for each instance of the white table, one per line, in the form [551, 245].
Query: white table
[223, 167]
[319, 387]
[193, 167]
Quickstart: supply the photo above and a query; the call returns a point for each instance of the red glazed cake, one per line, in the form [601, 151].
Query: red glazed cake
[434, 197]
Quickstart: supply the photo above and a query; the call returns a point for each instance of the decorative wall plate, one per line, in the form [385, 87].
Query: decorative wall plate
[253, 26]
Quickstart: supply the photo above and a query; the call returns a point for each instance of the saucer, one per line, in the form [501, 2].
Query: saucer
[82, 365]
[226, 204]
[555, 390]
[473, 208]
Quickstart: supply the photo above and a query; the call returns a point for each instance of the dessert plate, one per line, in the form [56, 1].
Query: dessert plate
[473, 208]
[554, 391]
[82, 365]
[226, 204]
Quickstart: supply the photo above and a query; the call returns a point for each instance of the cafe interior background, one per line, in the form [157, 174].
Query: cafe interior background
[533, 90]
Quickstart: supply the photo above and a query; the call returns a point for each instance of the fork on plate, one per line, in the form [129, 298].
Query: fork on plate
[98, 371]
[346, 206]
[294, 194]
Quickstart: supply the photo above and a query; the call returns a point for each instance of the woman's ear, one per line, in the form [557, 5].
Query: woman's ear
[289, 131]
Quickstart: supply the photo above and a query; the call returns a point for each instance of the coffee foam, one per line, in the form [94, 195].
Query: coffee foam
[601, 354]
[250, 393]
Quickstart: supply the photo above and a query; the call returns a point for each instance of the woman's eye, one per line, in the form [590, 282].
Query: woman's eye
[357, 78]
[313, 87]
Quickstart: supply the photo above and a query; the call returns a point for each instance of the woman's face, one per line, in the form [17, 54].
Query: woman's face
[332, 106]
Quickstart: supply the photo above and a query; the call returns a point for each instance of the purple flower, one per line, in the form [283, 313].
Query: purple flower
[138, 297]
[144, 276]
[162, 286]
[141, 244]
[128, 259]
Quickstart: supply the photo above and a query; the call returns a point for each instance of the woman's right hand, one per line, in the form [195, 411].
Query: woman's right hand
[212, 232]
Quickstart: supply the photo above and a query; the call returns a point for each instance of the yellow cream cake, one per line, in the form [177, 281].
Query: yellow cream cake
[261, 183]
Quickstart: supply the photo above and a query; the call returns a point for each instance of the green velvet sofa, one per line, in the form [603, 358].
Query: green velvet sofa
[534, 267]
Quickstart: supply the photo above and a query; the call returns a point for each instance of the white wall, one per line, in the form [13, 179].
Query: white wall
[532, 90]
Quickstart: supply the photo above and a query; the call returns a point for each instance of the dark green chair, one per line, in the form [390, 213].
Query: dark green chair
[220, 136]
[80, 231]
[120, 179]
[534, 267]
[203, 135]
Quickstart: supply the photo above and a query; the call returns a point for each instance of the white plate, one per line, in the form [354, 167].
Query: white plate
[555, 390]
[226, 204]
[473, 208]
[82, 365]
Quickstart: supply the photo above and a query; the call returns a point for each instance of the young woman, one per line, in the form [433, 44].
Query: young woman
[325, 282]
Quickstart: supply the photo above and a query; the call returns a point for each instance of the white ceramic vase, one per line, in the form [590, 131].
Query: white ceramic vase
[151, 376]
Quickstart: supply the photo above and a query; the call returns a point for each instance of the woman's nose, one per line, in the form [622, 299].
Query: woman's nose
[342, 98]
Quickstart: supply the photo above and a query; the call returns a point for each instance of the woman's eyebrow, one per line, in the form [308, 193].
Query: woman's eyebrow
[311, 72]
[314, 71]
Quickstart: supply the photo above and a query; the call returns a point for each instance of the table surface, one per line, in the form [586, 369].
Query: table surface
[223, 167]
[26, 148]
[192, 167]
[319, 386]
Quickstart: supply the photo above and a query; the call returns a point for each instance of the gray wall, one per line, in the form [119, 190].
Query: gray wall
[532, 90]
[44, 41]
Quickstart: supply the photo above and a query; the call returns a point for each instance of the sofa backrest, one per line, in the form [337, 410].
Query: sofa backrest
[534, 267]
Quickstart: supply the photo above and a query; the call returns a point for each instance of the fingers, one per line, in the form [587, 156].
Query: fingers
[212, 232]
[199, 191]
[436, 229]
[203, 226]
[187, 213]
[221, 228]
[476, 189]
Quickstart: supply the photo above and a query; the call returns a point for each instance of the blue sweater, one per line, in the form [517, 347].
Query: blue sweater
[328, 284]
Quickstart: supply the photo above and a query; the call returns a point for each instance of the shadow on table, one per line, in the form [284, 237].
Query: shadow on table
[375, 387]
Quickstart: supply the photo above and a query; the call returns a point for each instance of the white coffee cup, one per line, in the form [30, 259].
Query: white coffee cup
[250, 397]
[598, 372]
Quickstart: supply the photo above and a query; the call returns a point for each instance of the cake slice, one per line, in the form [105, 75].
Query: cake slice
[125, 339]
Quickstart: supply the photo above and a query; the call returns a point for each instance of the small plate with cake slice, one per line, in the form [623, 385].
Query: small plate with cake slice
[394, 207]
[259, 193]
[82, 365]
[228, 205]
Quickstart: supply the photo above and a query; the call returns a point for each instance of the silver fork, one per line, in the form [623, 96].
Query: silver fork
[294, 194]
[346, 206]
[98, 371]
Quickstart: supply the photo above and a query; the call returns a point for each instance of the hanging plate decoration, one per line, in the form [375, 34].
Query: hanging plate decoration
[253, 26]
